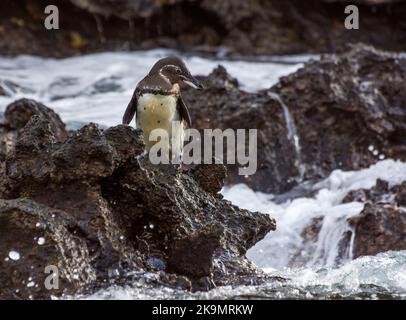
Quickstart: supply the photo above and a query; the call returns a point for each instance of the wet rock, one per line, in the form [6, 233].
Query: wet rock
[342, 112]
[224, 105]
[31, 151]
[354, 104]
[381, 226]
[173, 214]
[7, 141]
[178, 282]
[98, 209]
[225, 27]
[20, 112]
[400, 197]
[193, 255]
[91, 154]
[34, 237]
[378, 193]
[211, 178]
[310, 235]
[32, 175]
[312, 230]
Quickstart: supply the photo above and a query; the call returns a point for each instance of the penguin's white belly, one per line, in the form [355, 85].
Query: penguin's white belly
[155, 111]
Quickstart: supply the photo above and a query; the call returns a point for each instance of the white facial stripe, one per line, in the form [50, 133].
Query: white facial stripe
[191, 84]
[163, 76]
[170, 65]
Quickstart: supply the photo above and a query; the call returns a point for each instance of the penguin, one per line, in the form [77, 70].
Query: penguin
[157, 103]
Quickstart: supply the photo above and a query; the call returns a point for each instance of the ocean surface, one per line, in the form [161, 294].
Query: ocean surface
[96, 88]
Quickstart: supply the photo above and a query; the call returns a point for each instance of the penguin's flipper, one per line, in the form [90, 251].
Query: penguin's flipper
[131, 108]
[184, 112]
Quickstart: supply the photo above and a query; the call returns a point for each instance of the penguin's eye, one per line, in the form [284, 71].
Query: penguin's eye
[178, 71]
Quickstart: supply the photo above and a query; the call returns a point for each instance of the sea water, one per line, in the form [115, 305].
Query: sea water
[97, 88]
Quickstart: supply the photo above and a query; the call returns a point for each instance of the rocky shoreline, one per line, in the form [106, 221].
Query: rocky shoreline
[227, 28]
[341, 112]
[89, 202]
[101, 208]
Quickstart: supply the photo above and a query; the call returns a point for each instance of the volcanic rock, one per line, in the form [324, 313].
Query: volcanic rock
[232, 27]
[343, 111]
[17, 115]
[93, 206]
[381, 226]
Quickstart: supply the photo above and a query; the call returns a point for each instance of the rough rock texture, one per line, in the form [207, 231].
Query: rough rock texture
[211, 178]
[173, 214]
[17, 115]
[94, 207]
[223, 105]
[381, 226]
[346, 110]
[254, 27]
[344, 106]
[41, 236]
[20, 112]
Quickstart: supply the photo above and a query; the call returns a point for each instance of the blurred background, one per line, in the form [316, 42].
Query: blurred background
[227, 28]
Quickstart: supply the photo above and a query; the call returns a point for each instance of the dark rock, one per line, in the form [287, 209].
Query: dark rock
[193, 255]
[339, 107]
[31, 151]
[20, 112]
[400, 197]
[179, 282]
[90, 153]
[378, 193]
[312, 230]
[104, 209]
[344, 104]
[23, 225]
[223, 105]
[236, 27]
[381, 226]
[211, 178]
[310, 235]
[173, 214]
[7, 141]
[33, 171]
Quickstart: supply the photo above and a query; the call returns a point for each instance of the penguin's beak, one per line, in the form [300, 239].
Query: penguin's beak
[192, 82]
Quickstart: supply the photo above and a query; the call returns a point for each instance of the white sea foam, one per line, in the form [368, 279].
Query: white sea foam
[285, 247]
[98, 87]
[372, 277]
[386, 270]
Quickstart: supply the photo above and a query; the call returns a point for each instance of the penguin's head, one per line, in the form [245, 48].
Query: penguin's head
[174, 70]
